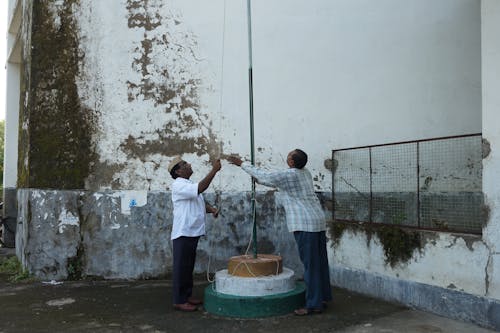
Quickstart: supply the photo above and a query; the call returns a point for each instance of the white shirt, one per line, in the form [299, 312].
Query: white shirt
[189, 209]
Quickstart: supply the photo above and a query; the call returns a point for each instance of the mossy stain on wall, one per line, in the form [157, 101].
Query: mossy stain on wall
[57, 135]
[399, 243]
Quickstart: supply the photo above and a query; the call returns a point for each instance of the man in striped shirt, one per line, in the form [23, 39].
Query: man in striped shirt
[305, 218]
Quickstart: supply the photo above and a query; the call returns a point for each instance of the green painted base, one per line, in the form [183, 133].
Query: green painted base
[254, 306]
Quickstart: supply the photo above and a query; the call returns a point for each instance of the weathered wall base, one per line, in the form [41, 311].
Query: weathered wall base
[73, 234]
[77, 234]
[445, 302]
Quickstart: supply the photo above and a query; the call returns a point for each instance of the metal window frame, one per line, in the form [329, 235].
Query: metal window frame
[370, 214]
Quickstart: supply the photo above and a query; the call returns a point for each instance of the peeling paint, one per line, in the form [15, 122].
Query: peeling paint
[140, 16]
[131, 199]
[67, 219]
[162, 112]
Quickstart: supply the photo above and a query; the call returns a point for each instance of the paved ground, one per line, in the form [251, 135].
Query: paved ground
[145, 306]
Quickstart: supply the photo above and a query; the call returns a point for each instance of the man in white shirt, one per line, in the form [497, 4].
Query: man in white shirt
[188, 225]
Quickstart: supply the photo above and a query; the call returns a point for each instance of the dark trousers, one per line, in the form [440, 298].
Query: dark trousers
[184, 252]
[312, 251]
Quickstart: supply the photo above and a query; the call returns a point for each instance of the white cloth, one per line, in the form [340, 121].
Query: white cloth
[189, 209]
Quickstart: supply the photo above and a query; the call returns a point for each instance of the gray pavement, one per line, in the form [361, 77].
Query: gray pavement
[145, 306]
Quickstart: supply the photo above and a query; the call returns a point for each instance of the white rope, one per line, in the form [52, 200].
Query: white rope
[221, 89]
[235, 269]
[216, 226]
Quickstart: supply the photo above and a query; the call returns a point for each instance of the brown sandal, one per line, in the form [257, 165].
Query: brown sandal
[186, 307]
[305, 312]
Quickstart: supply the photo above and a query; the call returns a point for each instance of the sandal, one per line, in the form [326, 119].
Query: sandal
[186, 307]
[305, 312]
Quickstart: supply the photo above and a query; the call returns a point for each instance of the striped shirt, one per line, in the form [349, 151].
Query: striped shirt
[296, 194]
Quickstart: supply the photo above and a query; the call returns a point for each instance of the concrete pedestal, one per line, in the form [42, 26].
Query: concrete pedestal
[254, 297]
[256, 286]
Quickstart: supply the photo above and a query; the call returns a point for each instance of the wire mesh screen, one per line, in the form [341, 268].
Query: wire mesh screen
[352, 182]
[451, 184]
[429, 184]
[394, 184]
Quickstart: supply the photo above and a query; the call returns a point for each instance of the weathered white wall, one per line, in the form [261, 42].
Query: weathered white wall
[490, 15]
[165, 77]
[12, 126]
[12, 93]
[325, 76]
[133, 57]
[350, 73]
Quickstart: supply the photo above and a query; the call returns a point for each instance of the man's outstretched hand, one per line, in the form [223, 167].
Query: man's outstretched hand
[234, 160]
[216, 166]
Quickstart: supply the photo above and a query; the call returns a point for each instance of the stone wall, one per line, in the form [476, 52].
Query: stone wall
[74, 234]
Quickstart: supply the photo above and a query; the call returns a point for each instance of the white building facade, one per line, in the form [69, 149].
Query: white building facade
[102, 94]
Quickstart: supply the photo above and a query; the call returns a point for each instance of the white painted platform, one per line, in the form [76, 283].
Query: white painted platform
[254, 286]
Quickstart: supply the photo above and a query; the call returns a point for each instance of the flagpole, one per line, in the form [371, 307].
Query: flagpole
[252, 146]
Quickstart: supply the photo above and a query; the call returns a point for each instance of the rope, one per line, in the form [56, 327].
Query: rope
[250, 270]
[218, 193]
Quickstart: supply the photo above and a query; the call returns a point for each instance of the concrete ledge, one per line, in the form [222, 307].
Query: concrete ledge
[254, 307]
[100, 234]
[444, 302]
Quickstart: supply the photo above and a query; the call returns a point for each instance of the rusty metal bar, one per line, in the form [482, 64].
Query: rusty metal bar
[411, 141]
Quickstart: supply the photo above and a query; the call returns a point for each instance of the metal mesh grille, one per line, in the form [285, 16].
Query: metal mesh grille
[451, 184]
[394, 179]
[430, 184]
[352, 182]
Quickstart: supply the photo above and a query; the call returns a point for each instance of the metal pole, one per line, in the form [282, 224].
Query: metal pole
[418, 184]
[370, 205]
[252, 147]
